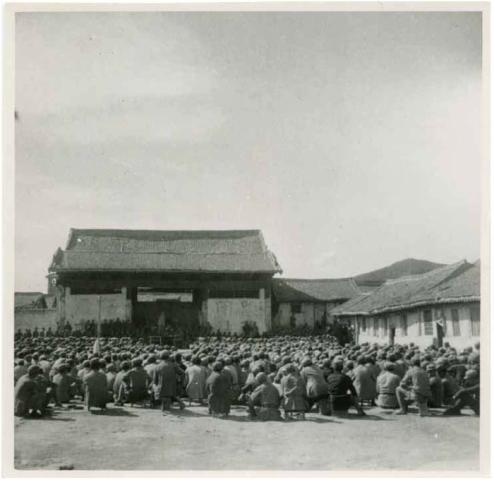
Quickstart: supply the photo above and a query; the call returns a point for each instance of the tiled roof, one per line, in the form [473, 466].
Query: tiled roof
[169, 250]
[28, 299]
[351, 306]
[413, 290]
[300, 290]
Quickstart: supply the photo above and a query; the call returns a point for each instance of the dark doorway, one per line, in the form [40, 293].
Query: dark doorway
[392, 332]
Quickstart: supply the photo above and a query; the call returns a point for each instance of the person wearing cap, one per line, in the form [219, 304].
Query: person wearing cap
[437, 390]
[316, 386]
[342, 393]
[387, 383]
[119, 389]
[20, 370]
[136, 382]
[26, 393]
[95, 387]
[264, 402]
[293, 391]
[63, 384]
[467, 396]
[165, 382]
[195, 381]
[364, 381]
[449, 382]
[218, 387]
[414, 387]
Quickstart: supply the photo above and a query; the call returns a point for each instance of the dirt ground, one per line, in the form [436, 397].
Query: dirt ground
[144, 439]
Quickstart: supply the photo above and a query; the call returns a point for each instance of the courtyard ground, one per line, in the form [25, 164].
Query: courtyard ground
[144, 439]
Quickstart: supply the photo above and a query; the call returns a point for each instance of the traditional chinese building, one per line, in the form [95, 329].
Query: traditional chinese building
[306, 301]
[439, 306]
[152, 276]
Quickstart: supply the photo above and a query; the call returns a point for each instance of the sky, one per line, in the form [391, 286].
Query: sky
[352, 140]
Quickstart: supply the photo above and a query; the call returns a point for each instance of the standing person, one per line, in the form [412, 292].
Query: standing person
[293, 391]
[195, 381]
[165, 382]
[414, 387]
[96, 387]
[387, 383]
[218, 387]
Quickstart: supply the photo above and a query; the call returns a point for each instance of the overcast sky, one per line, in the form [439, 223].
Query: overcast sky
[352, 140]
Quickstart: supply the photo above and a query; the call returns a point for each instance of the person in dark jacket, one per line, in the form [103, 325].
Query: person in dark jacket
[218, 387]
[467, 396]
[95, 387]
[137, 382]
[342, 393]
[165, 382]
[26, 393]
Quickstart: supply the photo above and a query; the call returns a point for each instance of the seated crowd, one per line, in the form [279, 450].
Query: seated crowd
[293, 375]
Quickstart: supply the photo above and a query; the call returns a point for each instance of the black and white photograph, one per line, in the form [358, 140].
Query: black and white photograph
[247, 238]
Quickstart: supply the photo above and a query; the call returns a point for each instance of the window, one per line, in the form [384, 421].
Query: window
[428, 330]
[456, 322]
[404, 325]
[364, 324]
[375, 327]
[296, 308]
[475, 320]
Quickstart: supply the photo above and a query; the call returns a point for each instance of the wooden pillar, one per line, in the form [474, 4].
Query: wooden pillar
[62, 293]
[265, 299]
[127, 302]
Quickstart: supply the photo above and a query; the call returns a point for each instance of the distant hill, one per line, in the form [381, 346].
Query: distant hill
[409, 266]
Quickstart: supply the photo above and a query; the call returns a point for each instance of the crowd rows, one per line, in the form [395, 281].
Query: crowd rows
[271, 376]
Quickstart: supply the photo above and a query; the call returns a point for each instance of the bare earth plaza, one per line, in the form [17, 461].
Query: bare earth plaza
[248, 240]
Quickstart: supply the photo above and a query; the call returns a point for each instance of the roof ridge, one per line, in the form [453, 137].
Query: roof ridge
[315, 279]
[420, 276]
[101, 252]
[144, 230]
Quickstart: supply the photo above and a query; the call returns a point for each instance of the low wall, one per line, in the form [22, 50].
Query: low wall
[85, 307]
[32, 318]
[228, 315]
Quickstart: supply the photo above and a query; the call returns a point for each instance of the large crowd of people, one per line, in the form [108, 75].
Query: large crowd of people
[275, 378]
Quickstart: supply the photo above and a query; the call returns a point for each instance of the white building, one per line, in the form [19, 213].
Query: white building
[307, 301]
[440, 306]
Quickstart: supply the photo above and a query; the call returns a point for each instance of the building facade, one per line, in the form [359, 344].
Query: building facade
[298, 302]
[219, 277]
[433, 308]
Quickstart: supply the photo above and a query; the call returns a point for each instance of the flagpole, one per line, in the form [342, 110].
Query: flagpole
[96, 346]
[98, 329]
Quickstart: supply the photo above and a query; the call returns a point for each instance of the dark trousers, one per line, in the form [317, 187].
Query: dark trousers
[464, 400]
